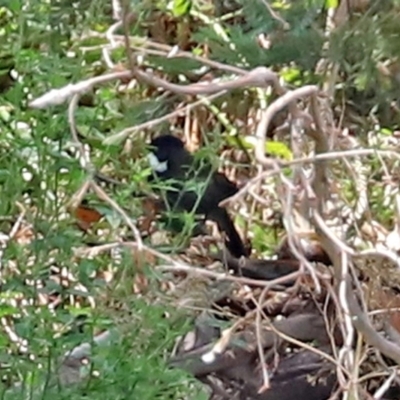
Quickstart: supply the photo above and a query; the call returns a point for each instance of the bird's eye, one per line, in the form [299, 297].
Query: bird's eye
[156, 164]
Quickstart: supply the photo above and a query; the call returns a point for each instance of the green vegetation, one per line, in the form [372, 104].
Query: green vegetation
[48, 288]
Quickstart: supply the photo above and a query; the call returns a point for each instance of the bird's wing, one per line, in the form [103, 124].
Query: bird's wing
[222, 181]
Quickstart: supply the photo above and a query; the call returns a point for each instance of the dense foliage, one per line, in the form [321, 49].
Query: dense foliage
[46, 289]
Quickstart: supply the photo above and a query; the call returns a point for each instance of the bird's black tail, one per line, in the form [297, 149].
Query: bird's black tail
[233, 242]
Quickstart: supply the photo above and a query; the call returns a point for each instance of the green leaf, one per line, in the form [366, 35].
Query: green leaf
[7, 309]
[386, 131]
[273, 148]
[14, 5]
[278, 149]
[361, 81]
[181, 7]
[331, 3]
[290, 75]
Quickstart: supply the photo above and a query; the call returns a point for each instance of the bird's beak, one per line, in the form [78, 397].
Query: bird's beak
[155, 164]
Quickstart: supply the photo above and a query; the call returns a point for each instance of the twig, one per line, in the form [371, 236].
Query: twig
[346, 353]
[223, 276]
[258, 77]
[165, 50]
[320, 184]
[385, 386]
[332, 155]
[293, 239]
[125, 24]
[266, 384]
[306, 346]
[278, 165]
[5, 239]
[60, 96]
[177, 266]
[113, 44]
[267, 115]
[120, 136]
[84, 157]
[276, 16]
[358, 317]
[105, 197]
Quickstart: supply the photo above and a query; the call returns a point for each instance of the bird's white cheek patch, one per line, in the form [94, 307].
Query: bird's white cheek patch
[156, 164]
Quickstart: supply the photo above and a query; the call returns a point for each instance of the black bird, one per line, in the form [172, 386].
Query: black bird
[171, 161]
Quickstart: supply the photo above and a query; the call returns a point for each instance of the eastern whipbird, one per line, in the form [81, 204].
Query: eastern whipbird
[194, 187]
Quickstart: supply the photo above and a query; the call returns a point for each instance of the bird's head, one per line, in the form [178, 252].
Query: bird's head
[163, 151]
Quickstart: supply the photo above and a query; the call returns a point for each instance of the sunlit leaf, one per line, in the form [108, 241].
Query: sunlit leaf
[278, 149]
[273, 148]
[331, 3]
[290, 74]
[181, 7]
[386, 131]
